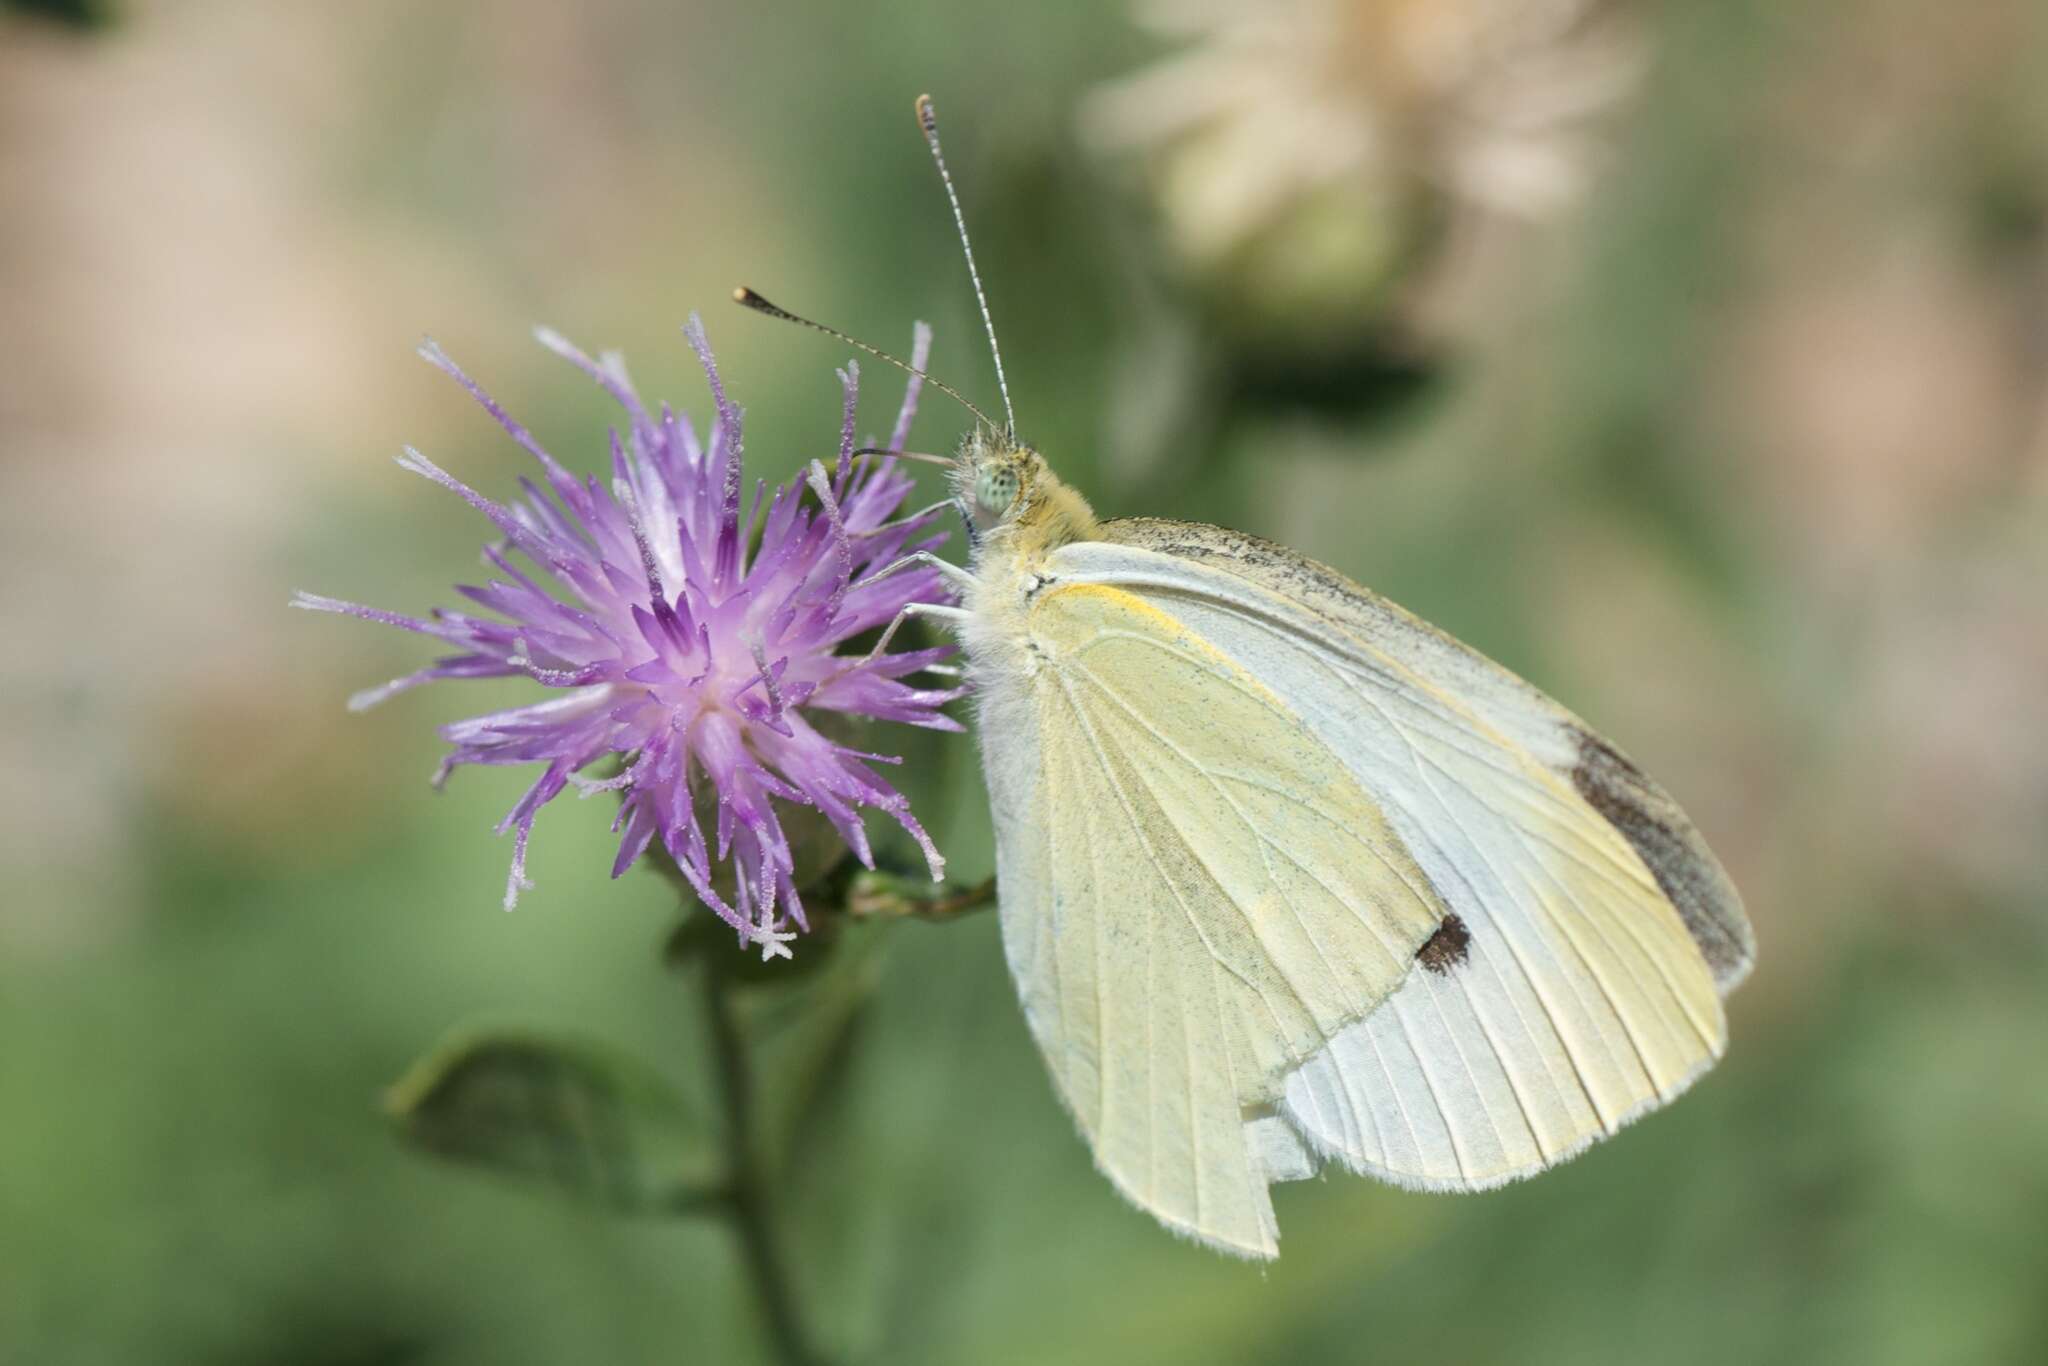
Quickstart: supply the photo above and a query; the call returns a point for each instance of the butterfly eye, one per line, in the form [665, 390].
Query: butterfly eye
[995, 488]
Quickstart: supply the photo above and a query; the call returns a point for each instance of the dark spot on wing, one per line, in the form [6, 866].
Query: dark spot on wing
[1447, 948]
[1687, 873]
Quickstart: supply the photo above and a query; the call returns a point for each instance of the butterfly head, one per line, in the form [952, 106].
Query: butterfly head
[1005, 489]
[992, 475]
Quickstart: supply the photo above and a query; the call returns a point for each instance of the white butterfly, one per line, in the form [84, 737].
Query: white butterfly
[1289, 876]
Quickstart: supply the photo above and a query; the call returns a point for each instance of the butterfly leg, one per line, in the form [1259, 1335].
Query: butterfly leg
[937, 610]
[952, 573]
[917, 609]
[914, 519]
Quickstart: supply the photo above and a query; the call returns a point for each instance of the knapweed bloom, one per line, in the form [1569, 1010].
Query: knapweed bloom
[691, 640]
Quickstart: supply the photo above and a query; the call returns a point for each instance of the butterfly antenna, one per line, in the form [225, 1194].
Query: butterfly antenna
[929, 121]
[747, 298]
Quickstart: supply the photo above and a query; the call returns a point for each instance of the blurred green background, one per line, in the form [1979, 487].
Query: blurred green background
[1742, 451]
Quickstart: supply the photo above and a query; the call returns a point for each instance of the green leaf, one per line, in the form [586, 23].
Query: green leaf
[575, 1114]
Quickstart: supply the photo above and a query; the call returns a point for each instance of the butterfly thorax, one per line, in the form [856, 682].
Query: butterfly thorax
[1018, 514]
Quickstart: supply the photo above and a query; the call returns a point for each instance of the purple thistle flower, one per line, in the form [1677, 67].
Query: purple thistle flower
[692, 641]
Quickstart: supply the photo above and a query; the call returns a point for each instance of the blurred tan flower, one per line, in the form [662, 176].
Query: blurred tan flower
[1302, 155]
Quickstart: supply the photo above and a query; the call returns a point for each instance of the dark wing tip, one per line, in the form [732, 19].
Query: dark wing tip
[1687, 872]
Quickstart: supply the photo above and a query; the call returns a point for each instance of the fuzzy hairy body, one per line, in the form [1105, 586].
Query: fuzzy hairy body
[1011, 562]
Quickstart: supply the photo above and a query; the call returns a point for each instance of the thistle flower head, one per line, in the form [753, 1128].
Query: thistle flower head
[691, 635]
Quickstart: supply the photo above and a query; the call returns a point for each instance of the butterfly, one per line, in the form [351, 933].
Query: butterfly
[1289, 877]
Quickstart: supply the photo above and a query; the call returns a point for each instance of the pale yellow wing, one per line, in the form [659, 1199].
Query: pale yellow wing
[1578, 985]
[1198, 895]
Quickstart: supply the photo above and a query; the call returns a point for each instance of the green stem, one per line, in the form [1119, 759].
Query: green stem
[883, 895]
[748, 1205]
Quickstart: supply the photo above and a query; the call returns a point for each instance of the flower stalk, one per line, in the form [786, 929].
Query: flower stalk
[748, 1198]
